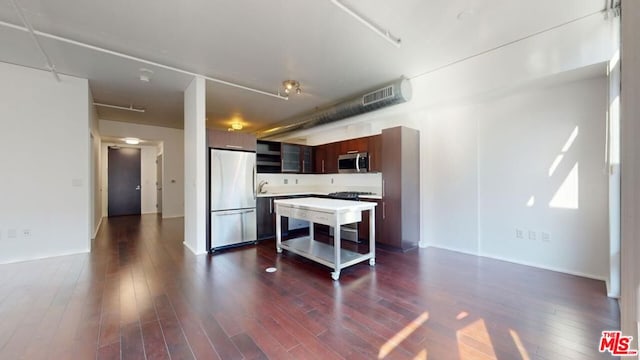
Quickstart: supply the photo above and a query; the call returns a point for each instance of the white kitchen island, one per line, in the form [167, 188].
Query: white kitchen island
[330, 212]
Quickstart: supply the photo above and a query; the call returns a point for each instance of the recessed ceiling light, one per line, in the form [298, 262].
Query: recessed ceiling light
[132, 141]
[145, 74]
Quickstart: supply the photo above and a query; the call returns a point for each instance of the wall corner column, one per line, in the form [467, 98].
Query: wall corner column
[194, 166]
[630, 168]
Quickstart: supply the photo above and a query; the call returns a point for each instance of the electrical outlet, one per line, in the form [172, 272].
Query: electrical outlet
[332, 180]
[532, 235]
[26, 233]
[519, 234]
[12, 234]
[286, 181]
[296, 181]
[546, 237]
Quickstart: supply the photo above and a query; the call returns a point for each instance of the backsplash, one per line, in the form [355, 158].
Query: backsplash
[369, 182]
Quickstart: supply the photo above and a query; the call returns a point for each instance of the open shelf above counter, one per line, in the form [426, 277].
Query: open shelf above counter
[268, 157]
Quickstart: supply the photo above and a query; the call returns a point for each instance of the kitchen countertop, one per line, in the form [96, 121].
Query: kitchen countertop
[334, 205]
[311, 193]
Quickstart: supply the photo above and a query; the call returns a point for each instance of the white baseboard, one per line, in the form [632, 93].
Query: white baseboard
[171, 216]
[43, 256]
[546, 267]
[526, 263]
[192, 250]
[467, 252]
[95, 231]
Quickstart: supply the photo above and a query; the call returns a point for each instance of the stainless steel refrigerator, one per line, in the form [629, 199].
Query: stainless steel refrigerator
[233, 198]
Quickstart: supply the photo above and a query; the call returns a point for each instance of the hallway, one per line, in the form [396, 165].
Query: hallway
[141, 295]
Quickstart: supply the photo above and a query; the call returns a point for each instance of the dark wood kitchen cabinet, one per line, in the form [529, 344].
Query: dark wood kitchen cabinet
[319, 159]
[266, 218]
[231, 140]
[268, 157]
[354, 145]
[306, 159]
[297, 159]
[290, 158]
[331, 163]
[400, 208]
[325, 158]
[363, 226]
[375, 153]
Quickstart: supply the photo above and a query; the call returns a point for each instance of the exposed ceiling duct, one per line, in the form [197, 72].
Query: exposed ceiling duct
[396, 92]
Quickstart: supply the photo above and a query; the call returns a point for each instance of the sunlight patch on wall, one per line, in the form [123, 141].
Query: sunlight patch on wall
[567, 195]
[614, 131]
[567, 145]
[532, 201]
[572, 138]
[555, 164]
[614, 60]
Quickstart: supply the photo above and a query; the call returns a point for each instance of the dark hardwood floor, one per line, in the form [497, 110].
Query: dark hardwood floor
[141, 295]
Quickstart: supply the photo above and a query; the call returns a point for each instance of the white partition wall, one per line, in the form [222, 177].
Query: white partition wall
[195, 148]
[45, 182]
[630, 168]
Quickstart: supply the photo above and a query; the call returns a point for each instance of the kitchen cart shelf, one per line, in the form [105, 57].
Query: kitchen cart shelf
[322, 253]
[330, 212]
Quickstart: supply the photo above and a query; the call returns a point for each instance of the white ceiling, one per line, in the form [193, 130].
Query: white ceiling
[259, 44]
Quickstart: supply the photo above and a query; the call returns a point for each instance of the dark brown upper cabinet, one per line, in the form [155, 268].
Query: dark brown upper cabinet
[231, 140]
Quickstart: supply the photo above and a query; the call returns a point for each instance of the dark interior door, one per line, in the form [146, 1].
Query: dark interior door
[124, 181]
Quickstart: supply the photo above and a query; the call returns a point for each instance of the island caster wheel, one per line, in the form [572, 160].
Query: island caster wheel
[372, 262]
[279, 250]
[335, 275]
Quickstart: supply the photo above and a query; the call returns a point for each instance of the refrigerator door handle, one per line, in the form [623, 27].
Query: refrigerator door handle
[255, 190]
[233, 212]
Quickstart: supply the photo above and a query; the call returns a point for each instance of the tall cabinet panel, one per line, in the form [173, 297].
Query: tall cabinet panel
[290, 158]
[400, 224]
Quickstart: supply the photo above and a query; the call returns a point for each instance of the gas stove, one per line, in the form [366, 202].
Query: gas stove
[348, 195]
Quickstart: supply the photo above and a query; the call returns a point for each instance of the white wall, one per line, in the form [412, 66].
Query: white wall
[45, 157]
[148, 169]
[534, 177]
[173, 158]
[96, 190]
[195, 152]
[148, 192]
[630, 164]
[449, 173]
[445, 108]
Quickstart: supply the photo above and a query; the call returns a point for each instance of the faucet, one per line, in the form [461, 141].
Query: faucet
[261, 186]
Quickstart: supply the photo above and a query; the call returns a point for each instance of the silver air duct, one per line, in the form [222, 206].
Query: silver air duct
[396, 92]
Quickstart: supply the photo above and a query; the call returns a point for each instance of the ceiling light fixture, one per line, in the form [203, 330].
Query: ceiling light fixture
[236, 126]
[291, 85]
[130, 108]
[145, 74]
[132, 141]
[396, 41]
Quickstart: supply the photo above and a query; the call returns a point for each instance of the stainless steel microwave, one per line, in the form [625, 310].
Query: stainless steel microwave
[353, 162]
